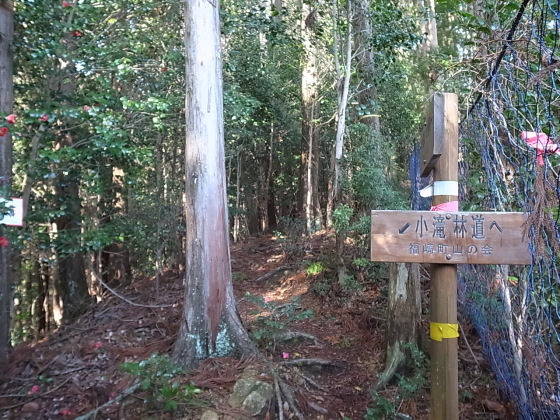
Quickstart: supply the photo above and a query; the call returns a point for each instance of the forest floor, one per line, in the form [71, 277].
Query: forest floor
[78, 368]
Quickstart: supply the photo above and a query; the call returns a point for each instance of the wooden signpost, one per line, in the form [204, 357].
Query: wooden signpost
[446, 237]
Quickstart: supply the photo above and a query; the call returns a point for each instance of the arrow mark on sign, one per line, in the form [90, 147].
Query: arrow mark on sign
[404, 228]
[494, 223]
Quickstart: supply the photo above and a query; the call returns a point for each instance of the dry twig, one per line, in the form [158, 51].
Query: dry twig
[126, 393]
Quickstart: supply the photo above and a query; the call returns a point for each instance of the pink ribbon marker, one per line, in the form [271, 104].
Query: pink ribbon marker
[448, 206]
[542, 143]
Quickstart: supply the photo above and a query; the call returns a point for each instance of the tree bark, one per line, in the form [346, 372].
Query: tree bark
[366, 64]
[428, 27]
[343, 75]
[6, 106]
[211, 325]
[310, 130]
[403, 318]
[71, 270]
[237, 216]
[116, 268]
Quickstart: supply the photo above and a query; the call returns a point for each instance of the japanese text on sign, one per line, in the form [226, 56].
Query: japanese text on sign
[449, 237]
[460, 227]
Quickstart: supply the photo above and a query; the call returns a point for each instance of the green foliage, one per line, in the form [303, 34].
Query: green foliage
[408, 387]
[273, 318]
[238, 276]
[392, 27]
[314, 268]
[349, 283]
[383, 408]
[159, 378]
[321, 287]
[341, 218]
[99, 91]
[5, 208]
[372, 185]
[369, 270]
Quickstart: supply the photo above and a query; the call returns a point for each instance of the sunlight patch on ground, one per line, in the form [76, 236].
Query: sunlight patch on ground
[292, 287]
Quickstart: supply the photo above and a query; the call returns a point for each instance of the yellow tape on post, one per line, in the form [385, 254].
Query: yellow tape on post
[440, 331]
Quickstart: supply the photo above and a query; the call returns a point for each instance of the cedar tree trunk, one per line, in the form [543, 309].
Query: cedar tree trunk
[211, 325]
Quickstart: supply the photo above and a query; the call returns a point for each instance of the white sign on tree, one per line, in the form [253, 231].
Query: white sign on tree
[15, 212]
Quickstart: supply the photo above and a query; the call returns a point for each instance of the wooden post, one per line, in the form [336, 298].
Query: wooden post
[446, 237]
[443, 295]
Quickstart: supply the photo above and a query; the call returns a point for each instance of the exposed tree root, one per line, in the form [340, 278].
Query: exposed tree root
[320, 363]
[395, 360]
[285, 336]
[278, 398]
[288, 395]
[313, 383]
[272, 273]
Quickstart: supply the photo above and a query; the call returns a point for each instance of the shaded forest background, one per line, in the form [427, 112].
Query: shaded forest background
[323, 105]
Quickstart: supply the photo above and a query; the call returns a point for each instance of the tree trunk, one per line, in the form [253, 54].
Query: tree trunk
[405, 306]
[403, 318]
[310, 129]
[266, 184]
[237, 216]
[277, 4]
[6, 106]
[343, 91]
[211, 325]
[38, 310]
[366, 64]
[71, 265]
[175, 198]
[115, 259]
[428, 27]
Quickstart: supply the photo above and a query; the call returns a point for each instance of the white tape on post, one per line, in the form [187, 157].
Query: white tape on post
[441, 188]
[15, 217]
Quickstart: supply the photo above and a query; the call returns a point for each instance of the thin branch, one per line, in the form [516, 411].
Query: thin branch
[468, 345]
[100, 280]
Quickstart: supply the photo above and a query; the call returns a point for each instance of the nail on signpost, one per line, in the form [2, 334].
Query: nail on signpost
[445, 237]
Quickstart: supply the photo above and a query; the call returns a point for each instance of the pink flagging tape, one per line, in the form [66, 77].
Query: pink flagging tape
[542, 143]
[449, 206]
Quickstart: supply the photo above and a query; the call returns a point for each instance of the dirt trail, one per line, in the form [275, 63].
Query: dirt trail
[76, 369]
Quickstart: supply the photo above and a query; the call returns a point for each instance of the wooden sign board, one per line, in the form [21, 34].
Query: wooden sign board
[433, 135]
[448, 237]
